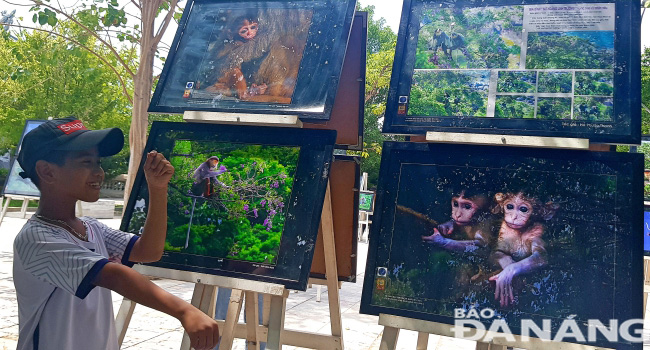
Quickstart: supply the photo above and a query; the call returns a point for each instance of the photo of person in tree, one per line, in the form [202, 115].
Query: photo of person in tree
[205, 177]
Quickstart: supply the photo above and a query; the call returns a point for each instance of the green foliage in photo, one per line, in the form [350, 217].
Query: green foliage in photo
[517, 82]
[447, 93]
[515, 107]
[555, 82]
[594, 83]
[471, 38]
[593, 108]
[569, 50]
[553, 108]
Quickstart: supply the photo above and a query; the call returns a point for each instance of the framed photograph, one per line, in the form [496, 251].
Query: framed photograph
[262, 57]
[244, 201]
[344, 185]
[367, 201]
[347, 113]
[524, 67]
[515, 233]
[14, 184]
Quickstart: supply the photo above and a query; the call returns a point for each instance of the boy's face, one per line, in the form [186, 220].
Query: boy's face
[81, 175]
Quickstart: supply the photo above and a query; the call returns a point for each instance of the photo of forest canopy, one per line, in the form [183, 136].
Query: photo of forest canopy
[517, 82]
[570, 50]
[227, 200]
[555, 82]
[515, 107]
[449, 93]
[595, 83]
[599, 109]
[470, 38]
[553, 108]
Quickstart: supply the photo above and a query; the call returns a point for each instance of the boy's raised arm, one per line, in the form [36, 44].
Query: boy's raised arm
[202, 330]
[151, 244]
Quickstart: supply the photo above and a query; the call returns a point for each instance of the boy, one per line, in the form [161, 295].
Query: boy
[59, 259]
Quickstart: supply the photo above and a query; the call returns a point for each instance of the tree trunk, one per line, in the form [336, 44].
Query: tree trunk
[142, 84]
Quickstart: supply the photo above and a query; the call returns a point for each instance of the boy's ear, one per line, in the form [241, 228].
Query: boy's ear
[45, 172]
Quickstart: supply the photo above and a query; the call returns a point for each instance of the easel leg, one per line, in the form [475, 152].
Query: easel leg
[389, 338]
[327, 227]
[252, 320]
[123, 319]
[232, 317]
[276, 322]
[23, 209]
[4, 209]
[423, 341]
[204, 299]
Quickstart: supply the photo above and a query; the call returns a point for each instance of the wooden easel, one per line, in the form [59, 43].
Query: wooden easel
[392, 324]
[275, 296]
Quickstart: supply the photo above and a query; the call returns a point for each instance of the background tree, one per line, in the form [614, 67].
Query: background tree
[379, 65]
[43, 75]
[108, 22]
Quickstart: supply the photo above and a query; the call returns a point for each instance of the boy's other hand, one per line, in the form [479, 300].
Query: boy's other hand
[157, 170]
[202, 330]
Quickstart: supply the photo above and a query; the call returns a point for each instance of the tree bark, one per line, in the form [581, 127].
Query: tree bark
[142, 84]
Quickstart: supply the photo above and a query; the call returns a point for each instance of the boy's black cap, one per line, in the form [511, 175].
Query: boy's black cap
[66, 134]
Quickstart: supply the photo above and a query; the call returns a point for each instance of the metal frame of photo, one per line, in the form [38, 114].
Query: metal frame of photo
[624, 128]
[626, 300]
[303, 210]
[324, 68]
[14, 163]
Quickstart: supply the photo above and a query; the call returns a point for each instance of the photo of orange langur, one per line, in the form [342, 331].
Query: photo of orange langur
[520, 248]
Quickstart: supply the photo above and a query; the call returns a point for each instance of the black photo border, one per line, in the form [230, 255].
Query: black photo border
[310, 184]
[627, 299]
[336, 61]
[627, 82]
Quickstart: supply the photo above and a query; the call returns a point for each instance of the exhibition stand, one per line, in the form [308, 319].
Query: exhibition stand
[245, 292]
[392, 324]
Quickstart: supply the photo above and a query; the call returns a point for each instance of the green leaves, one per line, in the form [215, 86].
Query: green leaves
[46, 16]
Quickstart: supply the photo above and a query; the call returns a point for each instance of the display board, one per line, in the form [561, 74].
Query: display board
[367, 201]
[525, 67]
[16, 185]
[244, 201]
[462, 227]
[263, 57]
[344, 186]
[347, 113]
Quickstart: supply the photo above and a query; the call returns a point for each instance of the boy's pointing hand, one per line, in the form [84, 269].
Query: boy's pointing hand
[157, 170]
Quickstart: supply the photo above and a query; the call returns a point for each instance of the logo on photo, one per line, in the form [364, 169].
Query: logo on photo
[382, 272]
[189, 85]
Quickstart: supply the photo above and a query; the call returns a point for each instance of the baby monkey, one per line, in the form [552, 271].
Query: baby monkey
[467, 230]
[520, 248]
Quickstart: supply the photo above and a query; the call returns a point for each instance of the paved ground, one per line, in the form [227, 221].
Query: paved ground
[150, 329]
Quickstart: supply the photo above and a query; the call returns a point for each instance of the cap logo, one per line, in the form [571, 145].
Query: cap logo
[72, 126]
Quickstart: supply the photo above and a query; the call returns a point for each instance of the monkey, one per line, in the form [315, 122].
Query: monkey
[264, 49]
[520, 248]
[466, 231]
[442, 41]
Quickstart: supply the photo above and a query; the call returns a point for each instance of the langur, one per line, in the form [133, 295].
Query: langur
[468, 230]
[261, 56]
[520, 248]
